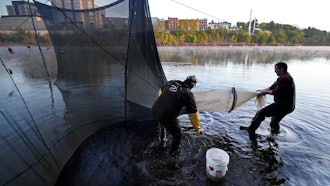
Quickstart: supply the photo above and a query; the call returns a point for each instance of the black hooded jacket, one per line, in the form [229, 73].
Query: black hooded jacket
[175, 96]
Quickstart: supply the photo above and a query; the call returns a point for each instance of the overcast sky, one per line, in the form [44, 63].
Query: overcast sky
[302, 14]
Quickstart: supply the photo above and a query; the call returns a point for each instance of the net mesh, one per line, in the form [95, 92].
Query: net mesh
[226, 100]
[99, 67]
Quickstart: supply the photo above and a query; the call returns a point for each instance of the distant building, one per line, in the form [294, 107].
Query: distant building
[185, 24]
[20, 13]
[188, 24]
[19, 16]
[73, 4]
[12, 23]
[225, 24]
[10, 10]
[235, 27]
[159, 24]
[21, 8]
[85, 19]
[154, 21]
[193, 24]
[172, 24]
[202, 24]
[216, 25]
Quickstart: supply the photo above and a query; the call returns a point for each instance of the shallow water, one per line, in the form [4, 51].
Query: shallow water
[297, 156]
[130, 153]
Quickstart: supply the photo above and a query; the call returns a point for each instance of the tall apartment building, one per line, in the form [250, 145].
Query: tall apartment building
[186, 24]
[202, 23]
[172, 24]
[84, 18]
[68, 4]
[19, 16]
[21, 8]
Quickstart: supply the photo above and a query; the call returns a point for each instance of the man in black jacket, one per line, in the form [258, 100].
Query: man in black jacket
[173, 98]
[284, 94]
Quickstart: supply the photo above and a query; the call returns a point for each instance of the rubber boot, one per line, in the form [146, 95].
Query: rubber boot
[256, 121]
[175, 145]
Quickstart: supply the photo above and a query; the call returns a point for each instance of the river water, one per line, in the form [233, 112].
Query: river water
[299, 155]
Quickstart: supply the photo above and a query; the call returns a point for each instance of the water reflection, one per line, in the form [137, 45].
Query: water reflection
[240, 55]
[265, 153]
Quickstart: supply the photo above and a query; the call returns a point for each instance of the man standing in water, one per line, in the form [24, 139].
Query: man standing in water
[284, 94]
[173, 98]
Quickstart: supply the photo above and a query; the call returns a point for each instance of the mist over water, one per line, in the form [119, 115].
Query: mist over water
[132, 156]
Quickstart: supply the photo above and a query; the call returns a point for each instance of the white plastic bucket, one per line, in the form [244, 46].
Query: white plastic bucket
[216, 163]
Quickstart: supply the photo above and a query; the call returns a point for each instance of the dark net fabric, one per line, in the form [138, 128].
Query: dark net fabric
[101, 69]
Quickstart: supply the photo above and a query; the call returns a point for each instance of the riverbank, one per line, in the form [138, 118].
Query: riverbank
[230, 44]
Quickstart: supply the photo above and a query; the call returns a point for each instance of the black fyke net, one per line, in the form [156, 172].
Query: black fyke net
[101, 69]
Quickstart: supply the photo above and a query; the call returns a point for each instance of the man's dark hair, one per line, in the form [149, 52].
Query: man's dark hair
[282, 65]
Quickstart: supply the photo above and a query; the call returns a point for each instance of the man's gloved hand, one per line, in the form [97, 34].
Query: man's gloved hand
[194, 118]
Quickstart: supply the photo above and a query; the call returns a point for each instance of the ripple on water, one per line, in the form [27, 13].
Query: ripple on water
[133, 155]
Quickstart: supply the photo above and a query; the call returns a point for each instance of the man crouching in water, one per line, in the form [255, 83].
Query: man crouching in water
[173, 97]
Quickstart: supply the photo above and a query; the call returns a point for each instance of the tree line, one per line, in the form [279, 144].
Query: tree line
[22, 36]
[266, 34]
